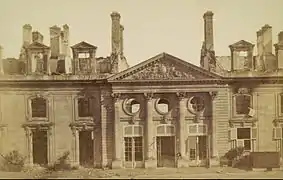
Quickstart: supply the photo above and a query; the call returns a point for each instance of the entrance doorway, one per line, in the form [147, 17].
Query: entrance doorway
[40, 147]
[166, 151]
[86, 148]
[198, 149]
[133, 152]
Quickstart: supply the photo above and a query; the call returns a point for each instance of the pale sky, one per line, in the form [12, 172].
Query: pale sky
[151, 26]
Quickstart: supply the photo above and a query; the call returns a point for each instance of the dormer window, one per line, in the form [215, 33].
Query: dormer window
[243, 53]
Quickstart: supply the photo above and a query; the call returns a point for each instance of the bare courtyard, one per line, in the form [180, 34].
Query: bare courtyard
[162, 173]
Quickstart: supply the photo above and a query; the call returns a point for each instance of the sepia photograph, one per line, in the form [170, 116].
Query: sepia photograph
[135, 89]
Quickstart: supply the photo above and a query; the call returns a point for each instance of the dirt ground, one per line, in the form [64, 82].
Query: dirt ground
[162, 173]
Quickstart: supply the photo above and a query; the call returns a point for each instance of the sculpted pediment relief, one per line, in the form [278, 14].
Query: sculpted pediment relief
[161, 70]
[164, 67]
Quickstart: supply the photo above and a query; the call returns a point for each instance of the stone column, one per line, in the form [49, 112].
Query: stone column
[182, 126]
[150, 150]
[117, 163]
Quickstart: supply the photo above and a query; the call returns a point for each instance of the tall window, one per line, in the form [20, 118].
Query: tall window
[243, 103]
[133, 143]
[39, 107]
[133, 149]
[84, 107]
[278, 137]
[243, 137]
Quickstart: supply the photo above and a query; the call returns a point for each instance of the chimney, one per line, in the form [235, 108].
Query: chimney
[37, 37]
[1, 60]
[208, 30]
[66, 48]
[55, 41]
[266, 61]
[121, 39]
[208, 59]
[65, 40]
[27, 35]
[115, 16]
[267, 39]
[259, 43]
[279, 50]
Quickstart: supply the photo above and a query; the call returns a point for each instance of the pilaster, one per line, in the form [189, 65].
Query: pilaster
[75, 147]
[117, 163]
[213, 132]
[29, 146]
[150, 150]
[182, 161]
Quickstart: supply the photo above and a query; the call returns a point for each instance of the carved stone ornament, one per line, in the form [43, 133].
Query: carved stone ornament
[275, 123]
[244, 90]
[165, 119]
[133, 120]
[115, 96]
[161, 71]
[231, 125]
[197, 118]
[181, 95]
[109, 108]
[213, 94]
[148, 96]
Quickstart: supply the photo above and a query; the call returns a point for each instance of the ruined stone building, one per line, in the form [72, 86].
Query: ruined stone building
[163, 111]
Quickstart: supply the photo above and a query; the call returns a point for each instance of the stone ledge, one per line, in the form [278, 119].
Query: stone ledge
[182, 163]
[117, 164]
[150, 164]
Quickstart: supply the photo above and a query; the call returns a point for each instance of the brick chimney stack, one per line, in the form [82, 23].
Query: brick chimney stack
[27, 35]
[208, 30]
[116, 32]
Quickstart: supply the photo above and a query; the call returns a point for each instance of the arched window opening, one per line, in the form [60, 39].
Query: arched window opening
[163, 106]
[197, 104]
[132, 106]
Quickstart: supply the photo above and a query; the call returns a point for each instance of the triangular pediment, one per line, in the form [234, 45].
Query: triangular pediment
[242, 43]
[164, 67]
[37, 45]
[83, 45]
